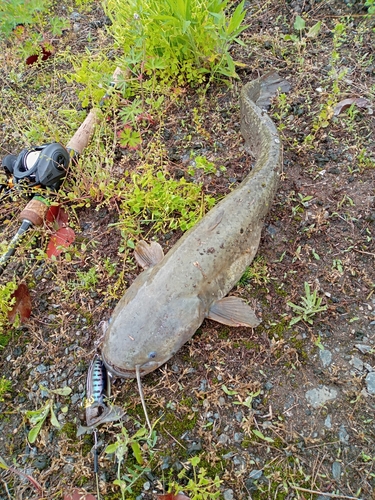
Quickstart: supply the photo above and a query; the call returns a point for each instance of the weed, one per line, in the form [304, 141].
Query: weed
[5, 387]
[257, 273]
[6, 302]
[38, 417]
[310, 306]
[121, 448]
[200, 487]
[155, 197]
[27, 21]
[183, 40]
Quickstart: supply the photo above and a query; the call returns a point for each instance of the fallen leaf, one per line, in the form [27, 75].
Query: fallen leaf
[43, 56]
[79, 495]
[171, 496]
[360, 102]
[22, 305]
[57, 216]
[61, 239]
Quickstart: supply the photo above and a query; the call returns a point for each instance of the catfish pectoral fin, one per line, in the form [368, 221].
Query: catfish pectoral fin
[233, 311]
[148, 255]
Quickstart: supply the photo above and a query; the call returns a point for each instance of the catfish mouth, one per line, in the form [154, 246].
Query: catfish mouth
[144, 369]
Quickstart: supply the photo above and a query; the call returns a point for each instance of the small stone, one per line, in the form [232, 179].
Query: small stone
[356, 363]
[328, 422]
[325, 357]
[223, 439]
[146, 485]
[40, 462]
[255, 474]
[268, 386]
[319, 396]
[41, 368]
[239, 462]
[228, 495]
[370, 382]
[363, 348]
[238, 437]
[336, 471]
[343, 435]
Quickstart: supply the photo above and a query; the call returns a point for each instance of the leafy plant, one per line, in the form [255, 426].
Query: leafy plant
[155, 197]
[6, 302]
[121, 449]
[300, 26]
[38, 417]
[5, 386]
[310, 306]
[19, 12]
[206, 166]
[180, 40]
[200, 486]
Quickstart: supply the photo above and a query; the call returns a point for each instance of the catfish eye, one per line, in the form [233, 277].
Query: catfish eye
[152, 355]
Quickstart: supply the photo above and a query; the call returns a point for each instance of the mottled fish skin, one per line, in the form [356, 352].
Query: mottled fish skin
[168, 302]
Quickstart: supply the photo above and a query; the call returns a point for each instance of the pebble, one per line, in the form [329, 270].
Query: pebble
[238, 437]
[343, 435]
[317, 397]
[239, 462]
[328, 422]
[370, 382]
[356, 363]
[255, 474]
[363, 348]
[41, 368]
[336, 470]
[325, 357]
[146, 485]
[228, 495]
[223, 439]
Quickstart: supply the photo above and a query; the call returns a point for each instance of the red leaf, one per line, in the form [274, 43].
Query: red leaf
[62, 238]
[171, 496]
[44, 55]
[57, 216]
[22, 305]
[79, 495]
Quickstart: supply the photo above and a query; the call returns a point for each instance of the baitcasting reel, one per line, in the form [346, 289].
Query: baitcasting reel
[44, 166]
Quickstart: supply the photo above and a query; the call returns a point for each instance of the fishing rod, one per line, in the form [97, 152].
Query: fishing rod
[44, 167]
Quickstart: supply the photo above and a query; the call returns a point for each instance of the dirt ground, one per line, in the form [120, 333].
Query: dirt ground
[307, 390]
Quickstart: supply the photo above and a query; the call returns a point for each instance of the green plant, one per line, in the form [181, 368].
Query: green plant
[21, 12]
[38, 417]
[206, 166]
[6, 302]
[121, 449]
[200, 486]
[310, 306]
[155, 197]
[180, 40]
[87, 280]
[5, 386]
[27, 21]
[371, 6]
[300, 26]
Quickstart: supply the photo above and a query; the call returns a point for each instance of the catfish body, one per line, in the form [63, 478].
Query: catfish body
[168, 302]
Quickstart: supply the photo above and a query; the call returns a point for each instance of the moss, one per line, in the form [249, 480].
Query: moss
[224, 333]
[70, 430]
[176, 426]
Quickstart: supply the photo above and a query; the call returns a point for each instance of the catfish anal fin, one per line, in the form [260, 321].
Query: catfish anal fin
[233, 311]
[148, 255]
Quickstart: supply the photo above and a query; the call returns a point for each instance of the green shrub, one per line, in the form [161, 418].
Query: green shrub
[176, 40]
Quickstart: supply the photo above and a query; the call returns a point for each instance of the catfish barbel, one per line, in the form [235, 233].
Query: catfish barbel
[168, 302]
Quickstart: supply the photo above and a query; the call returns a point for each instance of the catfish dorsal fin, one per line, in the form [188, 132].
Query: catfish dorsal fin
[148, 255]
[233, 311]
